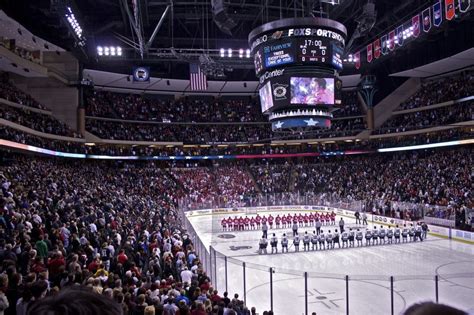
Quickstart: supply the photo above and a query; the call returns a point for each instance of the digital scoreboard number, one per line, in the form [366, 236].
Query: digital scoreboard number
[279, 54]
[313, 51]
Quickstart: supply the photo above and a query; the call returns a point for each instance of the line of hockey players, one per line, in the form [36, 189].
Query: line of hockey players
[349, 238]
[284, 221]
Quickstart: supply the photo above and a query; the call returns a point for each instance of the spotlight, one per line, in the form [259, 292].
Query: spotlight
[106, 51]
[229, 53]
[222, 52]
[247, 53]
[100, 50]
[241, 53]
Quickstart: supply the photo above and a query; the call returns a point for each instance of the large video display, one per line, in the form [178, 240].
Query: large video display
[312, 91]
[266, 100]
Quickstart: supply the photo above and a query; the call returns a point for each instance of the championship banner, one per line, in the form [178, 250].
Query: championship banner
[450, 11]
[464, 5]
[377, 48]
[437, 14]
[399, 35]
[391, 40]
[384, 44]
[369, 53]
[426, 16]
[357, 59]
[415, 23]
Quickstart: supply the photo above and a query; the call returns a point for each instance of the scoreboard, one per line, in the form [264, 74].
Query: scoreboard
[298, 52]
[299, 46]
[297, 61]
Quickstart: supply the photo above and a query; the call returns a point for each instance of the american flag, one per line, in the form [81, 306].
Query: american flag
[198, 79]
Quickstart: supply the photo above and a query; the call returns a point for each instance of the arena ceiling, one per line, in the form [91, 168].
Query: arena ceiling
[189, 25]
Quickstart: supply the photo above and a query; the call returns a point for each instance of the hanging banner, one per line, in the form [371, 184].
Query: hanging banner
[399, 39]
[391, 40]
[377, 48]
[426, 16]
[357, 60]
[415, 23]
[384, 41]
[369, 53]
[464, 5]
[449, 8]
[437, 14]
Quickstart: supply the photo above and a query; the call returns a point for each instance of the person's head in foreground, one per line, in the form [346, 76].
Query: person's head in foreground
[75, 301]
[430, 308]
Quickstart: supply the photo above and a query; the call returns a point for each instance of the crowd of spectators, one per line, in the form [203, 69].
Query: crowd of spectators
[113, 229]
[272, 177]
[441, 90]
[350, 105]
[13, 94]
[187, 109]
[429, 118]
[162, 109]
[18, 136]
[40, 122]
[442, 179]
[213, 133]
[226, 184]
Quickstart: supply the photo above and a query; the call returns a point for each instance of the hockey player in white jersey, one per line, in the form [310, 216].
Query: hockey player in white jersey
[411, 233]
[306, 240]
[351, 237]
[314, 241]
[329, 240]
[397, 234]
[336, 239]
[418, 231]
[368, 237]
[382, 234]
[296, 242]
[284, 243]
[390, 235]
[405, 234]
[359, 237]
[321, 240]
[263, 245]
[345, 239]
[274, 243]
[375, 236]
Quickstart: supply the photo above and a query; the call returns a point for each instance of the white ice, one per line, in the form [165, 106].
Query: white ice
[413, 266]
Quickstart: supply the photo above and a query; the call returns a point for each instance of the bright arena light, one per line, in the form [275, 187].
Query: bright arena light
[113, 51]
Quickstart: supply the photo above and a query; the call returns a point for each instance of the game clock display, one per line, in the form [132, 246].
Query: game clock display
[299, 51]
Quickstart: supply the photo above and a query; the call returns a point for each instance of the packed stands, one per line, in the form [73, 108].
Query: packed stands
[37, 121]
[13, 94]
[429, 118]
[441, 90]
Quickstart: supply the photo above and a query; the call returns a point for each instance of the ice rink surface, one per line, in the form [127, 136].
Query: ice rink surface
[413, 267]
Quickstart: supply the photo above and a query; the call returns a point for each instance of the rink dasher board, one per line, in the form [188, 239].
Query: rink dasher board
[439, 231]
